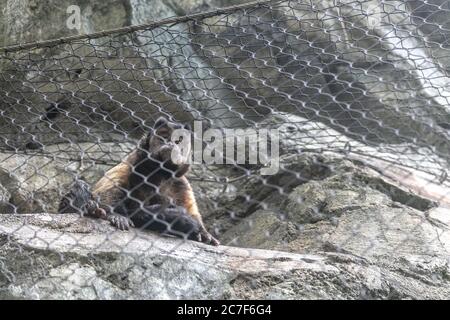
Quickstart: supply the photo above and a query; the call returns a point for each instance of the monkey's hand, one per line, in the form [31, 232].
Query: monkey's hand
[206, 237]
[93, 210]
[182, 170]
[120, 222]
[100, 214]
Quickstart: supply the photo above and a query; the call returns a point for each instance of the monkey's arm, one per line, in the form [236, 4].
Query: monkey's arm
[110, 192]
[182, 170]
[79, 199]
[112, 201]
[190, 204]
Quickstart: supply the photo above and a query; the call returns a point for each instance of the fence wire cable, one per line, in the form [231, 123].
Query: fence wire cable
[358, 92]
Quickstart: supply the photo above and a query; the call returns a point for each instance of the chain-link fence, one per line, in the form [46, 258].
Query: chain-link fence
[356, 93]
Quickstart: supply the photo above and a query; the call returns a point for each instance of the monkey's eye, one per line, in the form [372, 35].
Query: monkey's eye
[179, 140]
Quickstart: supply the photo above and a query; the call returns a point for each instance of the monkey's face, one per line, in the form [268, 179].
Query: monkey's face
[169, 143]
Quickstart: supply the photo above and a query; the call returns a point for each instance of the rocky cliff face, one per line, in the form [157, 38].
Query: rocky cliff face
[337, 231]
[329, 64]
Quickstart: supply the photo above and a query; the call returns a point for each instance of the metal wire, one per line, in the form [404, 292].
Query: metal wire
[340, 81]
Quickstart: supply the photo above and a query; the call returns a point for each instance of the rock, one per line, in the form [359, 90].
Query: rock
[132, 91]
[311, 68]
[30, 20]
[326, 99]
[38, 180]
[263, 229]
[352, 210]
[15, 196]
[315, 201]
[299, 134]
[363, 166]
[67, 257]
[248, 65]
[5, 205]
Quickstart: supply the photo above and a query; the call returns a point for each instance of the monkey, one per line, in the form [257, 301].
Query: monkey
[153, 174]
[149, 189]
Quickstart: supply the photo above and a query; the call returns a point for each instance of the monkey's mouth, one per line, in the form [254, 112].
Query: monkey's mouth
[172, 155]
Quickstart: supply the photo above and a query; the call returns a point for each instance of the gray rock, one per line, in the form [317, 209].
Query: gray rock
[327, 70]
[13, 196]
[37, 181]
[5, 205]
[263, 229]
[352, 210]
[31, 20]
[315, 201]
[346, 231]
[67, 257]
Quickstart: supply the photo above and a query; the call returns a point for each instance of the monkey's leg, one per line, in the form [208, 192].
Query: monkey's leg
[168, 220]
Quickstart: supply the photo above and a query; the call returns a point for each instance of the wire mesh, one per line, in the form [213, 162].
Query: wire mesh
[357, 91]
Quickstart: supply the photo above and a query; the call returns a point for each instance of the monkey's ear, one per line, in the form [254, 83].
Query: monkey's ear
[160, 122]
[144, 142]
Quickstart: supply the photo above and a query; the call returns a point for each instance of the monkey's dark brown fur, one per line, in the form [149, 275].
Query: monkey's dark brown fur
[80, 200]
[148, 184]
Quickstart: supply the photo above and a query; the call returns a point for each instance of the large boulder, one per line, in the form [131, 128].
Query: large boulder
[353, 209]
[99, 84]
[67, 257]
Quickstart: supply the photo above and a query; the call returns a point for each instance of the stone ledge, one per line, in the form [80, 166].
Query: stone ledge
[52, 256]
